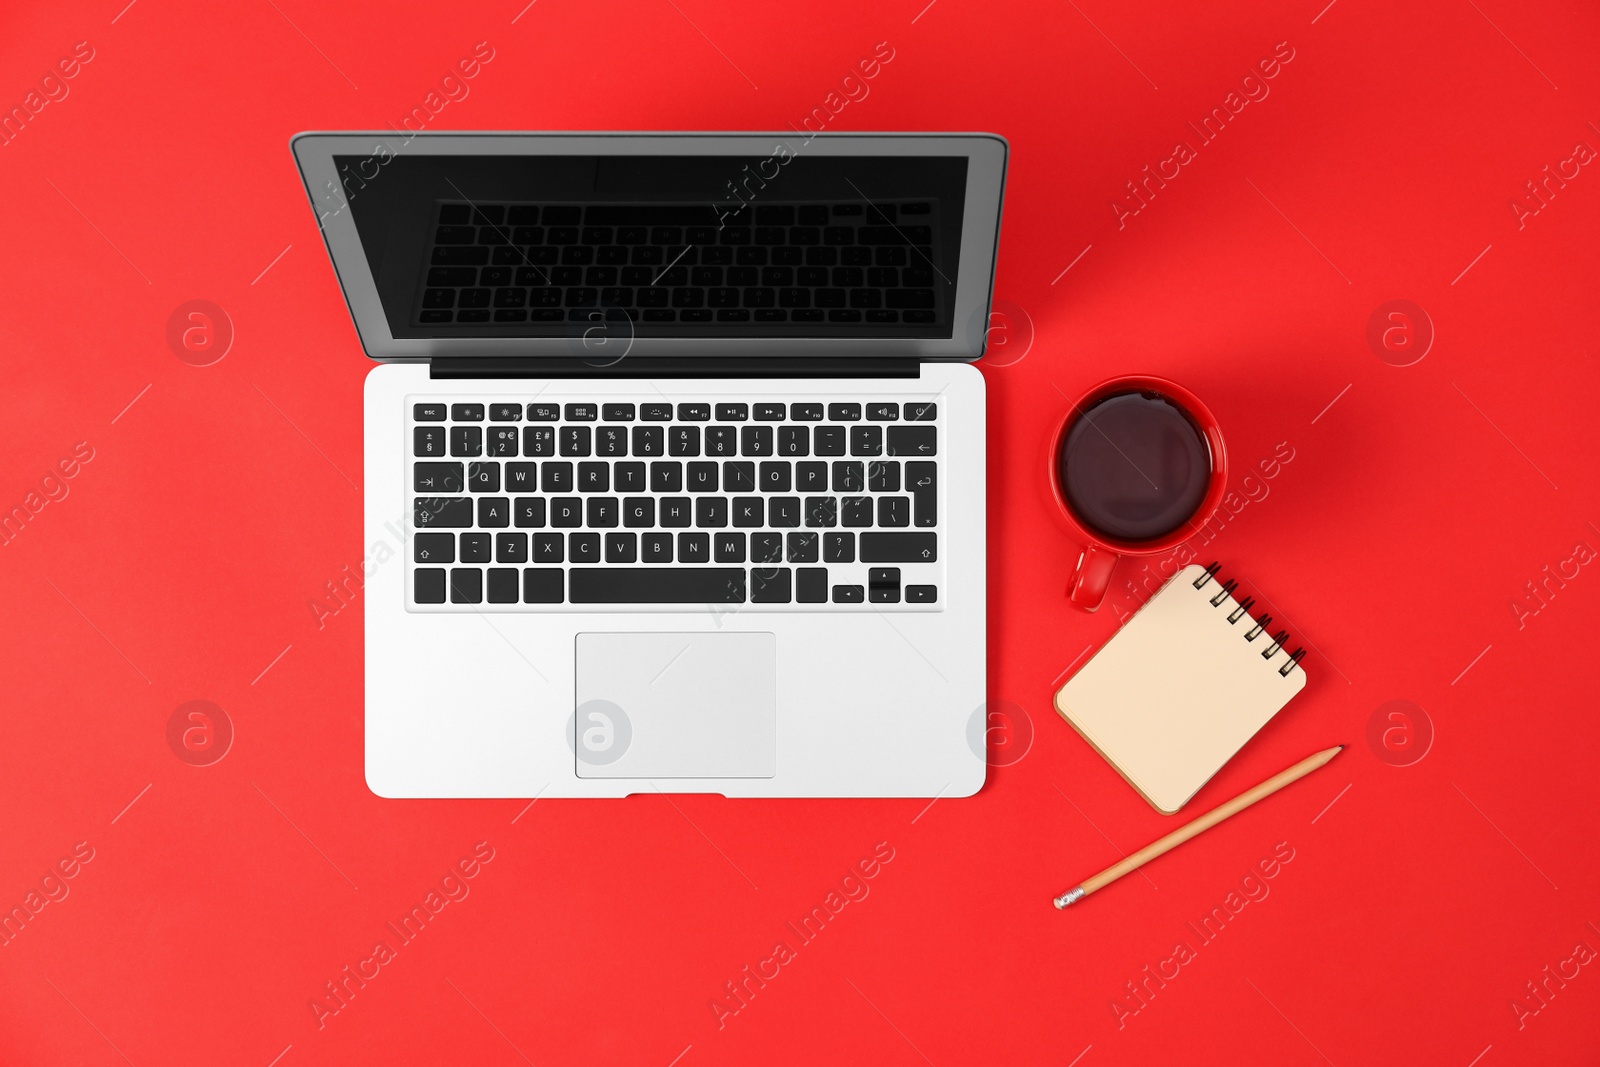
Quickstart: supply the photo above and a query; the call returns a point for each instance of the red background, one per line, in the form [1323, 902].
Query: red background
[187, 552]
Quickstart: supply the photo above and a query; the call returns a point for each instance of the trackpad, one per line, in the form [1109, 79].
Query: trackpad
[676, 705]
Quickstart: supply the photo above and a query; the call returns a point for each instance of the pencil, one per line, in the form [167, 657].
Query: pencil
[1197, 827]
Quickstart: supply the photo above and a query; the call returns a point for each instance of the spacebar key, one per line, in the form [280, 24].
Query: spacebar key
[899, 547]
[656, 585]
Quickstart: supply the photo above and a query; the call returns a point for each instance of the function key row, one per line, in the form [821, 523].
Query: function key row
[877, 411]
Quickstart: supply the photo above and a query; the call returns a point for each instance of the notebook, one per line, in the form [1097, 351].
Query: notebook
[1182, 686]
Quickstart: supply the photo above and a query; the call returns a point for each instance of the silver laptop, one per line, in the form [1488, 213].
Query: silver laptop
[674, 457]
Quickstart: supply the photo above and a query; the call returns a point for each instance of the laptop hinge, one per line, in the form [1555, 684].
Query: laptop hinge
[675, 367]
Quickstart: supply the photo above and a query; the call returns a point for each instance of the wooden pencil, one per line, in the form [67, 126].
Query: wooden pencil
[1197, 826]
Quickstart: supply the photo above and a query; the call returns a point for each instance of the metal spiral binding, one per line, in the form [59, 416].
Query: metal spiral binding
[1262, 621]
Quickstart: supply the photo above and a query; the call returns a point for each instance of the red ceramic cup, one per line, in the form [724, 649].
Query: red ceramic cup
[1092, 576]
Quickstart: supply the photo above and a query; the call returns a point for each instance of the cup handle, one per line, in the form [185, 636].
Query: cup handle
[1092, 578]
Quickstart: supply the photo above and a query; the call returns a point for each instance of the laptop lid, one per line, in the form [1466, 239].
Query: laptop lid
[751, 245]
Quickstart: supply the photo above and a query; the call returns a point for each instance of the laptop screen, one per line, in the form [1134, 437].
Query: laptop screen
[507, 246]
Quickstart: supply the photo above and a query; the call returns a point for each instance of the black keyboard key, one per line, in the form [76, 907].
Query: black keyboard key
[805, 412]
[575, 440]
[907, 547]
[549, 548]
[855, 511]
[794, 440]
[566, 512]
[694, 412]
[466, 585]
[617, 412]
[648, 440]
[583, 547]
[766, 548]
[922, 594]
[729, 547]
[466, 440]
[847, 476]
[557, 476]
[770, 585]
[603, 512]
[639, 512]
[622, 547]
[656, 412]
[683, 441]
[747, 511]
[694, 548]
[655, 548]
[594, 477]
[502, 440]
[702, 477]
[839, 548]
[611, 441]
[541, 585]
[913, 441]
[483, 477]
[783, 511]
[428, 440]
[494, 511]
[883, 476]
[882, 412]
[427, 412]
[922, 412]
[466, 412]
[829, 441]
[544, 412]
[528, 511]
[894, 511]
[503, 583]
[666, 476]
[538, 440]
[511, 548]
[711, 512]
[428, 585]
[434, 547]
[505, 412]
[922, 481]
[522, 477]
[822, 511]
[733, 412]
[442, 512]
[477, 547]
[629, 477]
[738, 477]
[676, 511]
[582, 412]
[844, 412]
[657, 585]
[811, 585]
[776, 476]
[811, 477]
[866, 440]
[847, 594]
[883, 585]
[755, 440]
[770, 412]
[437, 478]
[722, 441]
[803, 548]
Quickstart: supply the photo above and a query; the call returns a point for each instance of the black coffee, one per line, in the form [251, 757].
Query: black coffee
[1133, 467]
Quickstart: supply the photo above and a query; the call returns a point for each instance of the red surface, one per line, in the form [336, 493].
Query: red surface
[1399, 537]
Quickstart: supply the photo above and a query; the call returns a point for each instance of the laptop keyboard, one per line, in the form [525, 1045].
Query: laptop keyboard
[528, 504]
[657, 263]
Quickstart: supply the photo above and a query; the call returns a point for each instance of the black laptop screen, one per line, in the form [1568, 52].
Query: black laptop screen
[678, 246]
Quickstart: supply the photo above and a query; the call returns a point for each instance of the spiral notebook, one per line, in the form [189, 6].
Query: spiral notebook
[1182, 686]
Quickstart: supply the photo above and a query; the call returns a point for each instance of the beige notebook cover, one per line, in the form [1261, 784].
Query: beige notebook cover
[1180, 688]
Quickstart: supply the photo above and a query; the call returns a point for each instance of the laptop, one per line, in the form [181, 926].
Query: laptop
[674, 457]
